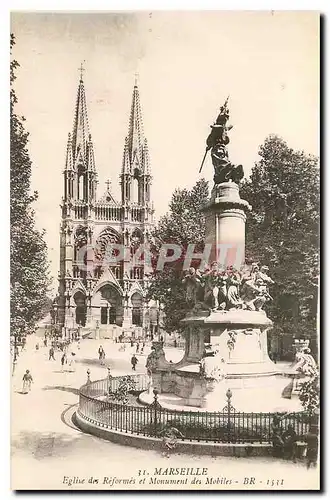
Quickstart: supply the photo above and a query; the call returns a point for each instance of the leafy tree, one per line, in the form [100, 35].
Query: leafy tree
[184, 224]
[309, 394]
[283, 232]
[29, 280]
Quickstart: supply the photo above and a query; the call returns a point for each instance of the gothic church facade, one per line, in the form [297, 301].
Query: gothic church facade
[95, 293]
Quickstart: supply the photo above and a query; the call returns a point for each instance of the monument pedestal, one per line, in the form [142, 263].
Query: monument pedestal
[240, 360]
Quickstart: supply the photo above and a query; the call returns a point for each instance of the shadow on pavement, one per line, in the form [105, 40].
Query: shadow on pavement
[44, 444]
[61, 388]
[63, 371]
[114, 364]
[95, 362]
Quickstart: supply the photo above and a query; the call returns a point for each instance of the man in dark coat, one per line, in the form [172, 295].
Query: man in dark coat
[134, 361]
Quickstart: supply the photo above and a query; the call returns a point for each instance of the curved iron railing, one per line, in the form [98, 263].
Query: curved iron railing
[227, 426]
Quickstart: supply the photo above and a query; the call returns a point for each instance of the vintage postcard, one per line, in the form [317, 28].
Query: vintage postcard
[165, 250]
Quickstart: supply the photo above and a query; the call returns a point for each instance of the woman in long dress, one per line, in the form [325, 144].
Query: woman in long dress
[72, 362]
[27, 381]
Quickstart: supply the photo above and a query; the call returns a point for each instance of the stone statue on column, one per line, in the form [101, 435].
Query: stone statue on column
[217, 142]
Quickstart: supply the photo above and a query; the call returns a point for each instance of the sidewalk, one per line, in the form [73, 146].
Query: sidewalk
[46, 446]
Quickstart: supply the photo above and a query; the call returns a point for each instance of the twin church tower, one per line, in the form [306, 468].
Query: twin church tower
[96, 293]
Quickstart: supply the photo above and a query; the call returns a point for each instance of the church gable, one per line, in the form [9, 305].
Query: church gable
[107, 198]
[107, 277]
[136, 288]
[79, 287]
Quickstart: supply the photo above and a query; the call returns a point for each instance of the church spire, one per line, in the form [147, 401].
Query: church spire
[80, 133]
[135, 175]
[135, 129]
[80, 176]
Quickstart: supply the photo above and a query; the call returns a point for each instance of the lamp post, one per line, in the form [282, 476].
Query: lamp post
[109, 380]
[157, 322]
[155, 404]
[55, 307]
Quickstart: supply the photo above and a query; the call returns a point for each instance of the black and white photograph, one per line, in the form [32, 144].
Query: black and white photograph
[164, 250]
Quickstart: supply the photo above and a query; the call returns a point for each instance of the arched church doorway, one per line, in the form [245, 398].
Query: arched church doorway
[81, 309]
[137, 309]
[111, 306]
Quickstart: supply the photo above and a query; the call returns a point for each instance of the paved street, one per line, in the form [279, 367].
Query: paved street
[46, 447]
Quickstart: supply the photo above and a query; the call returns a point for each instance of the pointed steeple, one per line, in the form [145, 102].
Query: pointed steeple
[135, 176]
[135, 129]
[80, 184]
[80, 134]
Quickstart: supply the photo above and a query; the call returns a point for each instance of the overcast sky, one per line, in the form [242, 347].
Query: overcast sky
[188, 63]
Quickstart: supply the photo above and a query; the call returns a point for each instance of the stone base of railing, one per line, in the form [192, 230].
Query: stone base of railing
[151, 443]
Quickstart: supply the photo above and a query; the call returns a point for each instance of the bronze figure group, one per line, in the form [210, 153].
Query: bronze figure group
[228, 289]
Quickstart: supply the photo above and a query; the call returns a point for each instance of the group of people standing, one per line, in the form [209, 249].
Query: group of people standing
[67, 358]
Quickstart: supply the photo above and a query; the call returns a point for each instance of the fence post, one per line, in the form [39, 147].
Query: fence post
[155, 404]
[109, 380]
[229, 395]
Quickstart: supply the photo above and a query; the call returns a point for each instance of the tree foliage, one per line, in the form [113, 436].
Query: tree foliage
[184, 224]
[126, 385]
[29, 278]
[283, 231]
[309, 393]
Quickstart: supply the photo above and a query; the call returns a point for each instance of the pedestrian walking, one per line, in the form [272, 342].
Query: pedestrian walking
[51, 353]
[100, 352]
[137, 347]
[72, 362]
[27, 381]
[134, 362]
[63, 360]
[45, 341]
[37, 347]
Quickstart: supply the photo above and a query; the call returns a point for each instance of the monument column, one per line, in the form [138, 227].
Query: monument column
[225, 225]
